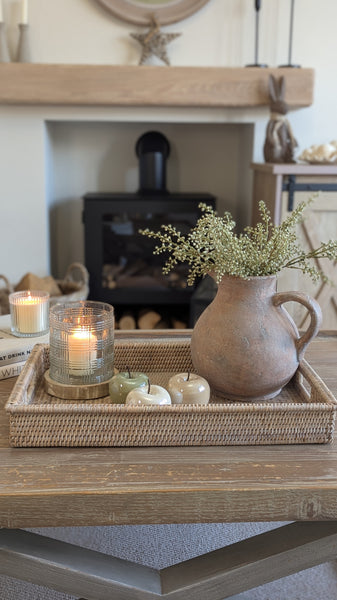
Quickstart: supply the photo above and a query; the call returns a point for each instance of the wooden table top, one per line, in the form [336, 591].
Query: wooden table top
[117, 486]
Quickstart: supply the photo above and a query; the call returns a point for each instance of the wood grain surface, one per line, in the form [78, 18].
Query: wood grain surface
[117, 85]
[105, 486]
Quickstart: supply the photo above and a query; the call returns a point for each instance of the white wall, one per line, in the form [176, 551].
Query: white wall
[34, 180]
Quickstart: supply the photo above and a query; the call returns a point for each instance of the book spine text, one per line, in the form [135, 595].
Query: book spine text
[14, 356]
[13, 370]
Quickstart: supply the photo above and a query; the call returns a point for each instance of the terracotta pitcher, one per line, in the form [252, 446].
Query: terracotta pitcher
[245, 343]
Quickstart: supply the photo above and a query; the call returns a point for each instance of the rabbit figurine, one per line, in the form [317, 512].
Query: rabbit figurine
[280, 143]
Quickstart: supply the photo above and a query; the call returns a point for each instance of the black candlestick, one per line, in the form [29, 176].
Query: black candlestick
[257, 19]
[291, 38]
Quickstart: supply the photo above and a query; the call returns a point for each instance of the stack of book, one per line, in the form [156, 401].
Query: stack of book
[14, 351]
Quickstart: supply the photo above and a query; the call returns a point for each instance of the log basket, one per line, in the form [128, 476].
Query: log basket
[74, 286]
[4, 294]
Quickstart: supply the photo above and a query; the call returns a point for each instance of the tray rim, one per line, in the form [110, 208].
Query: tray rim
[14, 404]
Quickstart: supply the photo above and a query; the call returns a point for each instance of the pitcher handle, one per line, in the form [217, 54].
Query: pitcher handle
[315, 316]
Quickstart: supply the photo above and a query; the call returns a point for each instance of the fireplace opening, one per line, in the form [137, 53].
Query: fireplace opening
[122, 267]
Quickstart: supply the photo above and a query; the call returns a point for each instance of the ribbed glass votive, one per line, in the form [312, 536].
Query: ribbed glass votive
[29, 312]
[81, 342]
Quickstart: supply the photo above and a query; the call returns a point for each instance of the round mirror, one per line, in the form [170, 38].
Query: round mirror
[140, 12]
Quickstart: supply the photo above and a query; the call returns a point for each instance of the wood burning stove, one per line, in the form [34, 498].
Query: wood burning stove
[123, 270]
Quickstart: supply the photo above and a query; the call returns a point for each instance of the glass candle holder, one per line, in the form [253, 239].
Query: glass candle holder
[81, 342]
[29, 313]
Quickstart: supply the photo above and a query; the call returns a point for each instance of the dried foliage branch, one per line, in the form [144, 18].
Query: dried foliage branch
[212, 246]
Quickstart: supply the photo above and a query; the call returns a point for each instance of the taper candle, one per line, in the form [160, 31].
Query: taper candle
[24, 15]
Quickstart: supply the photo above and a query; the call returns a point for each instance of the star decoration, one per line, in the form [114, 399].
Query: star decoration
[154, 42]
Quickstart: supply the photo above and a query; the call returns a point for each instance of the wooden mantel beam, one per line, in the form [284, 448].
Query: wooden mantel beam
[117, 85]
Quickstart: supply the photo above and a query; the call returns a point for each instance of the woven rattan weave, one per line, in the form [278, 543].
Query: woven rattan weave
[303, 413]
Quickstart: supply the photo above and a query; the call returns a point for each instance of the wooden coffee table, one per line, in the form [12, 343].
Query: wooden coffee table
[59, 487]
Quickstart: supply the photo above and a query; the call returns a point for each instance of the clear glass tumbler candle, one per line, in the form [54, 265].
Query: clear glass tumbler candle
[81, 342]
[29, 313]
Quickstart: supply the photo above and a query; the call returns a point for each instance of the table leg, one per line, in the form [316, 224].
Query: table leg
[215, 575]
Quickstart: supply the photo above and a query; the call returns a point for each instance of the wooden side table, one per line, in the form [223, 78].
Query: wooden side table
[282, 187]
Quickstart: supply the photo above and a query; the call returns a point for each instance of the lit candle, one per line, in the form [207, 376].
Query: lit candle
[82, 351]
[24, 18]
[188, 388]
[29, 312]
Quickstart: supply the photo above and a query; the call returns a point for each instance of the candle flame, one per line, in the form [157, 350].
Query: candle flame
[82, 332]
[28, 299]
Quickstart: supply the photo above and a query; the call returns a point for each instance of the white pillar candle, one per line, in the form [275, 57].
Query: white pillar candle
[82, 351]
[24, 14]
[29, 313]
[1, 12]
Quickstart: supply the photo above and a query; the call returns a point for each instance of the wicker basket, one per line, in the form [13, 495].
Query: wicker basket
[4, 295]
[74, 286]
[303, 413]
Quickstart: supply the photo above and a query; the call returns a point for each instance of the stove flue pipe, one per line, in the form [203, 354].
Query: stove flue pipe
[152, 149]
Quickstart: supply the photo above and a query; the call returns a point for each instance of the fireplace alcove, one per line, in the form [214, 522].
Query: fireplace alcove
[207, 161]
[69, 129]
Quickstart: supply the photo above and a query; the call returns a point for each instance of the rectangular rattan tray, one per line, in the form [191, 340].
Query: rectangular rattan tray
[303, 413]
